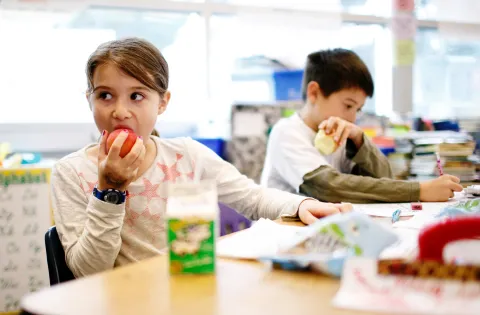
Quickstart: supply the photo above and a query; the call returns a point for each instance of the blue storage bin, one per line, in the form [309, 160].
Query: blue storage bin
[446, 125]
[282, 85]
[288, 85]
[217, 145]
[387, 150]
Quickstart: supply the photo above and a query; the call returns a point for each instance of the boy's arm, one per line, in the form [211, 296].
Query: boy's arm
[239, 192]
[369, 160]
[89, 229]
[303, 167]
[327, 184]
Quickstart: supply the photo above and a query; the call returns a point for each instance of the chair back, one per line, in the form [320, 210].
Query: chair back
[57, 266]
[231, 221]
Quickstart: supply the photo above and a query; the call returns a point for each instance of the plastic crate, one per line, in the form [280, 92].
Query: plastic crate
[217, 145]
[386, 150]
[288, 85]
[279, 85]
[446, 125]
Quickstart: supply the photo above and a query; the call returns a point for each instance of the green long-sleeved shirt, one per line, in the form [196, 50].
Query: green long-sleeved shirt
[350, 174]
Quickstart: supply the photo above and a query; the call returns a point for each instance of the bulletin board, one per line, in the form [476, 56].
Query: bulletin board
[25, 216]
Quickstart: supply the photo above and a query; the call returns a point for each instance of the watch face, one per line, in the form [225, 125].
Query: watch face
[112, 197]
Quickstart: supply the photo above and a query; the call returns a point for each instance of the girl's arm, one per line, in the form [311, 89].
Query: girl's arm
[89, 229]
[239, 192]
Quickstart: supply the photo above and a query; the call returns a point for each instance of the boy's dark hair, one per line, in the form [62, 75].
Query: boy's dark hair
[335, 70]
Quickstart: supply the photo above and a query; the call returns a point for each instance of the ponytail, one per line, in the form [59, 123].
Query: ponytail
[155, 133]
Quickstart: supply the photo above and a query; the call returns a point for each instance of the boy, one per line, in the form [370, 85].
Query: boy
[336, 84]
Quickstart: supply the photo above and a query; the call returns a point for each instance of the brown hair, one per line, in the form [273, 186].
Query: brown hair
[135, 57]
[335, 70]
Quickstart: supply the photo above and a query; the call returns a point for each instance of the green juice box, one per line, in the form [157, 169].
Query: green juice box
[192, 215]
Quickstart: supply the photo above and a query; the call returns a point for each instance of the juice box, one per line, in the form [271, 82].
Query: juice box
[192, 215]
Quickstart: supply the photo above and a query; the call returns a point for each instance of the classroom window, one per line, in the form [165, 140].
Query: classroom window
[381, 8]
[43, 78]
[446, 76]
[283, 42]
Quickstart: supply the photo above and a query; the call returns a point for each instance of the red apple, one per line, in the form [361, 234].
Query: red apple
[127, 145]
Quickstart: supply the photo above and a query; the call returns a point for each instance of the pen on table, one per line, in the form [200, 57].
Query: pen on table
[439, 164]
[396, 215]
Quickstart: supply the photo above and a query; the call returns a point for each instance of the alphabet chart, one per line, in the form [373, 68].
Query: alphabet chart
[25, 216]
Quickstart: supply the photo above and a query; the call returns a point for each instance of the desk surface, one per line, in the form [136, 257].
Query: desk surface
[239, 287]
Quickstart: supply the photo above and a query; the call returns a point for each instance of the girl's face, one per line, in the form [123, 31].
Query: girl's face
[119, 101]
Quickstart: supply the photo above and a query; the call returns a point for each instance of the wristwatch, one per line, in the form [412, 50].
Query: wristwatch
[112, 196]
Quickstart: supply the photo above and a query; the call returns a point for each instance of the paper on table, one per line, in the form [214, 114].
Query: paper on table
[363, 289]
[384, 209]
[405, 248]
[427, 215]
[418, 221]
[262, 239]
[420, 217]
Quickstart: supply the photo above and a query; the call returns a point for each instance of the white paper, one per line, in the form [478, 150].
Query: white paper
[428, 213]
[262, 239]
[363, 289]
[24, 219]
[384, 209]
[418, 221]
[405, 248]
[249, 124]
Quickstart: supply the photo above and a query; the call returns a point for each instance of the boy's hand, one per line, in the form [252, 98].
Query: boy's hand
[310, 210]
[439, 189]
[342, 130]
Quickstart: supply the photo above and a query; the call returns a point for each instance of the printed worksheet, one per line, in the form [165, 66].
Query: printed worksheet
[25, 216]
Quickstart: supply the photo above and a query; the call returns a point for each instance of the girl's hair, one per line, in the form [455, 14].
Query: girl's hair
[135, 57]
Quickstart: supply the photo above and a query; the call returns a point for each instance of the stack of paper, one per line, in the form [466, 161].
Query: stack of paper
[262, 239]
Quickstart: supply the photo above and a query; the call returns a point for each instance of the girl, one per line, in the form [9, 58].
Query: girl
[99, 223]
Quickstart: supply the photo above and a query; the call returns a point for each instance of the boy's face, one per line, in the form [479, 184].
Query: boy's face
[119, 101]
[346, 103]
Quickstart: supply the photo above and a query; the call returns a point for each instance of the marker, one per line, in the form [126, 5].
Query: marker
[439, 165]
[396, 215]
[416, 206]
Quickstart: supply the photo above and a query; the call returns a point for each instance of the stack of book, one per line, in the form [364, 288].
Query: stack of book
[456, 155]
[401, 159]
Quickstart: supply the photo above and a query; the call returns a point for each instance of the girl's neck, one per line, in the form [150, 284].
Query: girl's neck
[150, 155]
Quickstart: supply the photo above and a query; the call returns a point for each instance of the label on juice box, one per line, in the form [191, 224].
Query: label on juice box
[191, 244]
[192, 212]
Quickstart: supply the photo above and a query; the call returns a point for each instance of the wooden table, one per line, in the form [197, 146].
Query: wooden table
[239, 287]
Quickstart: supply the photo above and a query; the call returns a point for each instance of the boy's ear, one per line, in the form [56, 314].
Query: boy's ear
[164, 102]
[313, 92]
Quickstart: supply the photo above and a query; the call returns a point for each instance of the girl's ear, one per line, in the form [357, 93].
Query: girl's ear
[87, 96]
[164, 102]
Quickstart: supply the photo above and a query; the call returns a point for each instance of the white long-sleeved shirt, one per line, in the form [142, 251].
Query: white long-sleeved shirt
[97, 236]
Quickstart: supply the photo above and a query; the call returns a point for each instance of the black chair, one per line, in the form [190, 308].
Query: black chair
[57, 267]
